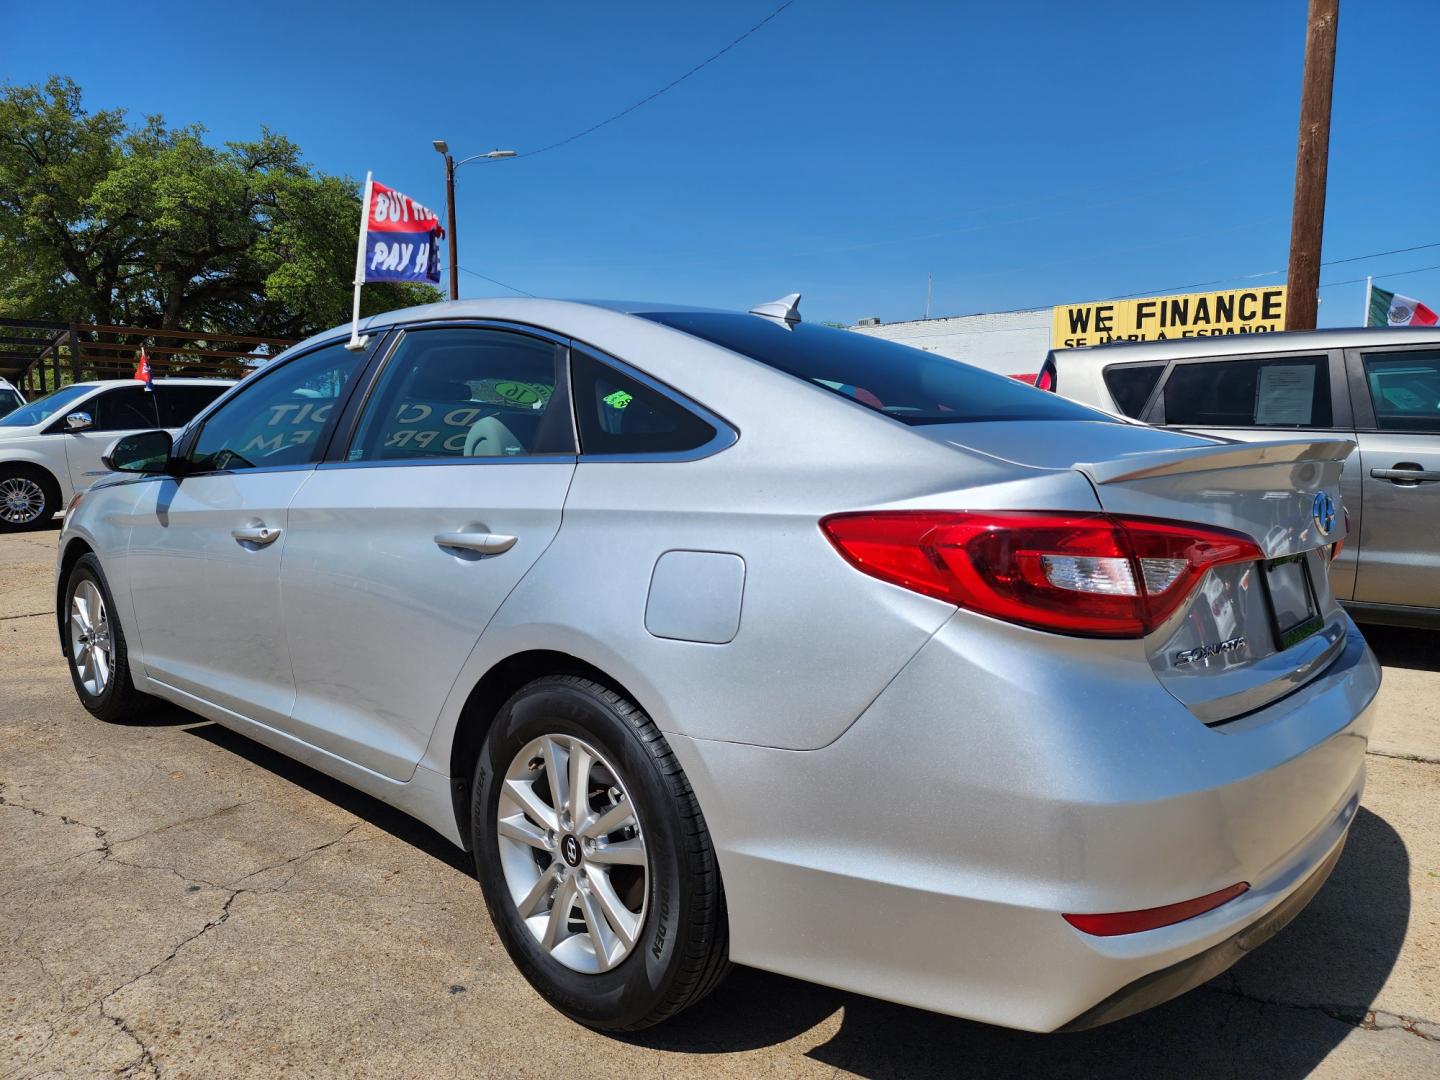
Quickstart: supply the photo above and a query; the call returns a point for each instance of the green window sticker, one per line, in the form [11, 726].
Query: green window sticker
[618, 400]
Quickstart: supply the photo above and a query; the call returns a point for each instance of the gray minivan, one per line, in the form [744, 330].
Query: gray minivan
[1380, 387]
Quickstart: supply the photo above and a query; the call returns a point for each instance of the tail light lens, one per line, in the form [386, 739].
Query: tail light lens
[1046, 379]
[1091, 575]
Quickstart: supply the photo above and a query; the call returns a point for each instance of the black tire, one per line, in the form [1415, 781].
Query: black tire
[118, 700]
[683, 948]
[40, 478]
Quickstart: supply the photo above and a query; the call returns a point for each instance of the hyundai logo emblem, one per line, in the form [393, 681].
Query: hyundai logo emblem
[1323, 511]
[570, 848]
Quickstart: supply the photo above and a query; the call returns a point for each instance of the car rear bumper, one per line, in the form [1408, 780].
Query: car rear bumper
[926, 855]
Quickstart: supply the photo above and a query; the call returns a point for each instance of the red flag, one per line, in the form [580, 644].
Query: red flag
[142, 371]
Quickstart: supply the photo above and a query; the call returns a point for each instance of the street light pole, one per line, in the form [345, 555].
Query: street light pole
[443, 149]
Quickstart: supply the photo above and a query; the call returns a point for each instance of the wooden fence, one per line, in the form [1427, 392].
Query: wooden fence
[40, 356]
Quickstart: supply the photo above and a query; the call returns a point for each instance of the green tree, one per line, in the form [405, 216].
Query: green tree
[146, 225]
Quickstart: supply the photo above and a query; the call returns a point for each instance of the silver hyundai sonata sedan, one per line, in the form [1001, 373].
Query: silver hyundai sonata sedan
[721, 637]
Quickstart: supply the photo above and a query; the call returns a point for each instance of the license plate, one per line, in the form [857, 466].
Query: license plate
[1293, 609]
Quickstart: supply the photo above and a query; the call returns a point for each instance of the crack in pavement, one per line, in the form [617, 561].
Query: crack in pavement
[144, 1063]
[26, 615]
[1362, 1017]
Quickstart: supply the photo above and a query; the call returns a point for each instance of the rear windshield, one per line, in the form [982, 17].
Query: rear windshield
[904, 384]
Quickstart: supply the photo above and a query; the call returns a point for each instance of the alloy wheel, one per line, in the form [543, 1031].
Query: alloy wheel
[573, 853]
[22, 500]
[90, 643]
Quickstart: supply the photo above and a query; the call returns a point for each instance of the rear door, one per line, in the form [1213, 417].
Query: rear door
[1397, 407]
[1259, 397]
[405, 543]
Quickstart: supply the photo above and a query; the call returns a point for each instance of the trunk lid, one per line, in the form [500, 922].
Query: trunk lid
[1250, 632]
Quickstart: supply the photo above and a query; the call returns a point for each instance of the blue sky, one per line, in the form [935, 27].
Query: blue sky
[1024, 153]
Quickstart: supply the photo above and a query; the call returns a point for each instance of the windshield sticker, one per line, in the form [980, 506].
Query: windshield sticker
[618, 400]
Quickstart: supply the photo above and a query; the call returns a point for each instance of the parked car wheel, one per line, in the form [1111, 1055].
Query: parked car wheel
[595, 861]
[95, 646]
[29, 498]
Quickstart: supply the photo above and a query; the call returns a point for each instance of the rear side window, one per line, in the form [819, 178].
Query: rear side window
[1405, 390]
[1292, 392]
[181, 404]
[464, 392]
[902, 383]
[616, 414]
[1131, 385]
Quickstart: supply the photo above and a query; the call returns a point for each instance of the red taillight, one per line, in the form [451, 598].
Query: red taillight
[1092, 575]
[1032, 379]
[1133, 922]
[1046, 379]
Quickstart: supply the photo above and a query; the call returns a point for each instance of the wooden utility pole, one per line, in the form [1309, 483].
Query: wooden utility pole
[1307, 218]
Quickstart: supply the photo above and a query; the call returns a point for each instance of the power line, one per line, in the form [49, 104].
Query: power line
[1377, 277]
[664, 89]
[502, 284]
[1274, 273]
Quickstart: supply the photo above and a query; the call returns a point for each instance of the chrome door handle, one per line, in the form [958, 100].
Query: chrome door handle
[260, 535]
[1415, 476]
[485, 543]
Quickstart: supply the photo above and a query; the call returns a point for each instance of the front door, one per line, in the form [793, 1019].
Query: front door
[125, 409]
[205, 548]
[402, 547]
[112, 413]
[1398, 412]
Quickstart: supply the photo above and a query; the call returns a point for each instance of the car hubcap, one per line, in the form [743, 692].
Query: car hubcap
[573, 853]
[90, 643]
[21, 500]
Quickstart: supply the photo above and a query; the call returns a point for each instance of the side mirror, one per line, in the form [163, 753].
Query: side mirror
[142, 452]
[79, 421]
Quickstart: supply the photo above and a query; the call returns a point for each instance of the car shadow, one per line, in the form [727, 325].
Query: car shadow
[1278, 1013]
[369, 809]
[1400, 646]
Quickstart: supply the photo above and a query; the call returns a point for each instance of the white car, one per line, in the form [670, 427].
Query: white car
[10, 398]
[50, 448]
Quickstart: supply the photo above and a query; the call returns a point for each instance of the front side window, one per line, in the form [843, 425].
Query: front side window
[464, 392]
[1291, 392]
[277, 419]
[616, 414]
[905, 384]
[40, 410]
[1405, 390]
[130, 408]
[1131, 384]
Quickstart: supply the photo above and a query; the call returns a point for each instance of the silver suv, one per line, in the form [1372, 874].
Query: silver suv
[1380, 387]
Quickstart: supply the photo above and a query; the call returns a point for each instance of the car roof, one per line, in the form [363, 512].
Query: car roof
[1131, 352]
[537, 311]
[164, 381]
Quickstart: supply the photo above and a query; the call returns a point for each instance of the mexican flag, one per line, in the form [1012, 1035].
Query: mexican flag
[1392, 309]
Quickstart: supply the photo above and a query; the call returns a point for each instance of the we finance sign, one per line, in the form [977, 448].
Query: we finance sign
[1156, 318]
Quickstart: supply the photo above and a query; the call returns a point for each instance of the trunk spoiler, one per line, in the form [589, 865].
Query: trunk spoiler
[1210, 458]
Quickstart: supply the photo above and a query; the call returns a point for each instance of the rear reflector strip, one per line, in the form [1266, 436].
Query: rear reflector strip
[1134, 922]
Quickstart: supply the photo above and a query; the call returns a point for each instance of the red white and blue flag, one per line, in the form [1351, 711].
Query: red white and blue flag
[399, 237]
[142, 371]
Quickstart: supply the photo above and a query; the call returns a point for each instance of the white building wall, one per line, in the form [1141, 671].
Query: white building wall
[1008, 342]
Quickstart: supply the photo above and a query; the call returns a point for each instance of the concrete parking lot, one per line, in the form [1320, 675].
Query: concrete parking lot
[177, 901]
